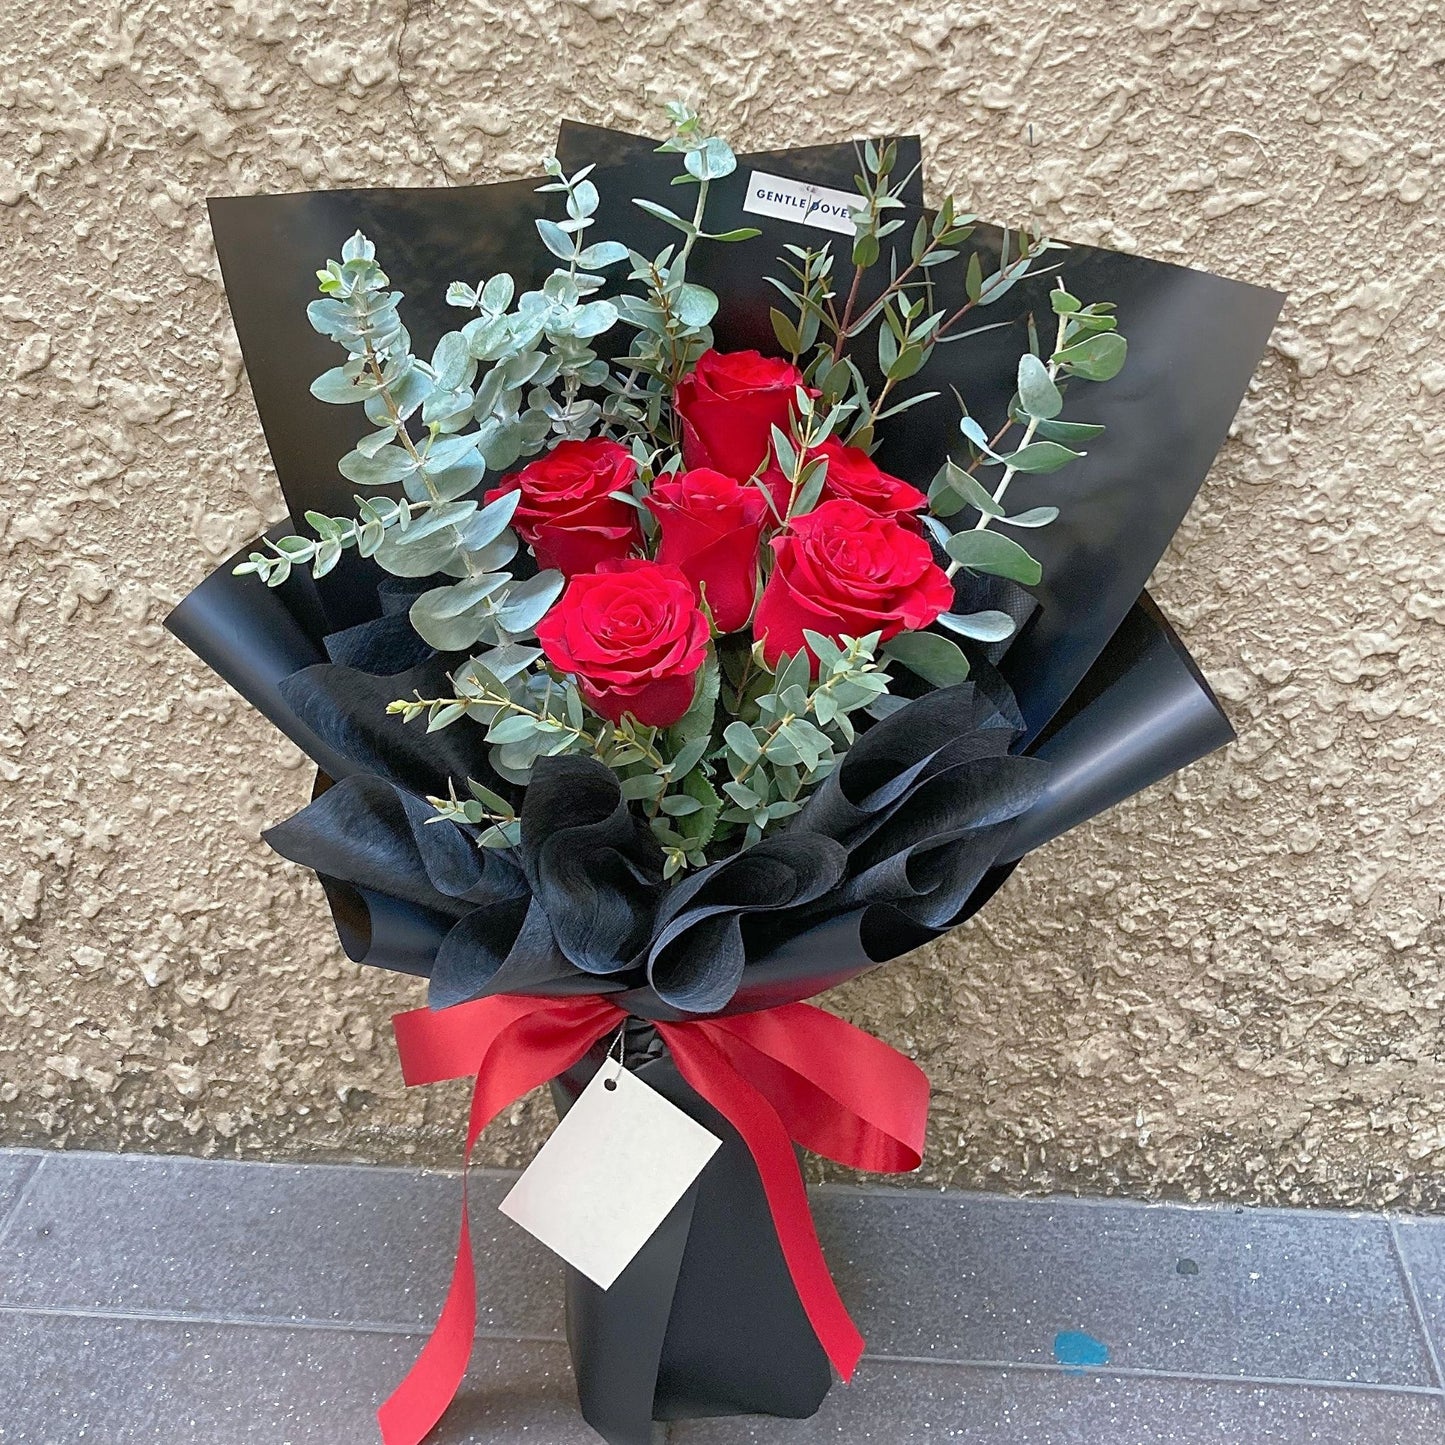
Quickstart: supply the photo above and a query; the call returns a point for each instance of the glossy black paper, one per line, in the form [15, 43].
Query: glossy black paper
[705, 1320]
[1111, 701]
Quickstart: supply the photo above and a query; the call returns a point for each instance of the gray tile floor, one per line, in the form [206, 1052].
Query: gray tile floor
[170, 1301]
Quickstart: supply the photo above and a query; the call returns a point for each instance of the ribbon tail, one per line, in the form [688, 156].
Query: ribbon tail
[513, 1046]
[431, 1384]
[710, 1072]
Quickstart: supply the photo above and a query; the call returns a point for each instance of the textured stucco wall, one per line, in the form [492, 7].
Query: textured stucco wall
[1231, 986]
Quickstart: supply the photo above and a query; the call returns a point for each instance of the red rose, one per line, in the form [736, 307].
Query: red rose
[566, 515]
[845, 571]
[632, 635]
[711, 526]
[854, 475]
[728, 405]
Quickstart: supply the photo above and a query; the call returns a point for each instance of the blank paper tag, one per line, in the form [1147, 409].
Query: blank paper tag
[809, 205]
[612, 1171]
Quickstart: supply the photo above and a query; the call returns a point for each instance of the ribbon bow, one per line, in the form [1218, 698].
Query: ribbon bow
[792, 1073]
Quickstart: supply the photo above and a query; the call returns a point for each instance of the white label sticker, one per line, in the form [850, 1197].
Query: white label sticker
[612, 1171]
[830, 210]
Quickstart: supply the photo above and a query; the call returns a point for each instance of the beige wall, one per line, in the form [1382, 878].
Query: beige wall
[1230, 986]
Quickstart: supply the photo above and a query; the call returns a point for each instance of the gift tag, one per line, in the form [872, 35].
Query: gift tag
[809, 205]
[612, 1171]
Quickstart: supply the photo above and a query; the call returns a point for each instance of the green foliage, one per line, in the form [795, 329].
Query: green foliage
[492, 393]
[1087, 346]
[671, 315]
[935, 658]
[795, 730]
[522, 371]
[482, 806]
[901, 318]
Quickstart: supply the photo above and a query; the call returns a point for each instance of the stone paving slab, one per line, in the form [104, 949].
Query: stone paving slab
[243, 1241]
[158, 1300]
[1286, 1294]
[931, 1404]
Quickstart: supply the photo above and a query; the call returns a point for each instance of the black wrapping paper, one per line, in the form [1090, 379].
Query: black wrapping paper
[705, 1320]
[328, 708]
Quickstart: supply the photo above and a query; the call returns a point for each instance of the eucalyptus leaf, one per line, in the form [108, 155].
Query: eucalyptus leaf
[512, 728]
[341, 385]
[1096, 358]
[984, 551]
[527, 603]
[556, 240]
[455, 617]
[600, 254]
[741, 742]
[452, 363]
[695, 305]
[1038, 395]
[987, 626]
[434, 519]
[1041, 457]
[404, 559]
[966, 486]
[663, 214]
[1068, 432]
[935, 659]
[507, 661]
[1034, 517]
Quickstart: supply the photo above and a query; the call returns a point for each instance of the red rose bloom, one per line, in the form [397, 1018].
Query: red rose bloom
[711, 526]
[566, 515]
[845, 571]
[854, 475]
[728, 405]
[632, 635]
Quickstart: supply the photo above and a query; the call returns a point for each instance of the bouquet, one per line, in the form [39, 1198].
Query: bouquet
[714, 603]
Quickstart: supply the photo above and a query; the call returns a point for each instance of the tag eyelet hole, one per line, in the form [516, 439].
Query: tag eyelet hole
[609, 1084]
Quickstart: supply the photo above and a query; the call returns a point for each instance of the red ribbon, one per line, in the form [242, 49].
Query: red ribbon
[788, 1073]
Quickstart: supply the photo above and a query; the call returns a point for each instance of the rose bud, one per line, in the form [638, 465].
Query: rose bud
[567, 515]
[728, 406]
[710, 527]
[633, 636]
[845, 572]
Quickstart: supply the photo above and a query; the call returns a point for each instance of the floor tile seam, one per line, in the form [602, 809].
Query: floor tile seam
[411, 1330]
[128, 1156]
[1109, 1201]
[1417, 1305]
[1145, 1372]
[891, 1192]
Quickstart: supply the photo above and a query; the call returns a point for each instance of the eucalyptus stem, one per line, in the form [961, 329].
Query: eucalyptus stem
[410, 707]
[1009, 472]
[394, 412]
[821, 690]
[999, 278]
[840, 339]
